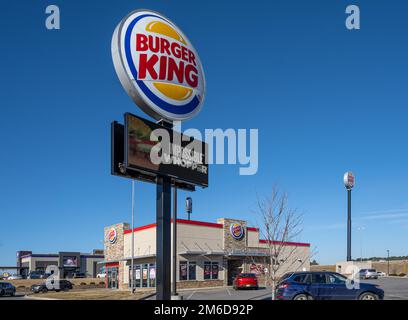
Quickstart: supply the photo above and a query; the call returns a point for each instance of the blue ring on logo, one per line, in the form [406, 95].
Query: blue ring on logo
[185, 109]
[241, 234]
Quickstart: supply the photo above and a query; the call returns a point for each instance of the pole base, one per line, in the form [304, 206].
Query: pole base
[176, 297]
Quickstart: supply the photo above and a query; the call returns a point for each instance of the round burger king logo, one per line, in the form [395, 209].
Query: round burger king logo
[237, 231]
[112, 235]
[158, 66]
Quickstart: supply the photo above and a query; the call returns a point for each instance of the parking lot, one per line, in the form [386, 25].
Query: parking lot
[395, 289]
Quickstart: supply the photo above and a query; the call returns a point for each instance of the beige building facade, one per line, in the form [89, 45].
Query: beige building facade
[208, 254]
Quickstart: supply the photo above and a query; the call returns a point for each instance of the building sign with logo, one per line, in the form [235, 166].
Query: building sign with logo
[237, 231]
[112, 235]
[349, 180]
[158, 66]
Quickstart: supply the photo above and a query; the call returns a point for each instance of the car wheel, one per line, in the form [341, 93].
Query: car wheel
[1, 293]
[13, 294]
[368, 296]
[44, 290]
[301, 297]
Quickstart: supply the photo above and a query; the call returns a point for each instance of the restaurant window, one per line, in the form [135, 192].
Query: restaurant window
[211, 270]
[187, 270]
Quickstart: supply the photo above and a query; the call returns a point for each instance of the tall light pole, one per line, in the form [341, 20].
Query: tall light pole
[388, 262]
[349, 183]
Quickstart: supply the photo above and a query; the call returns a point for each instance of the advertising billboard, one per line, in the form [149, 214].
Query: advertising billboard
[70, 261]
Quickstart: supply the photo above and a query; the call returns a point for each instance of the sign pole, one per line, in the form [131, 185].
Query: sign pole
[349, 181]
[163, 238]
[132, 279]
[175, 241]
[348, 224]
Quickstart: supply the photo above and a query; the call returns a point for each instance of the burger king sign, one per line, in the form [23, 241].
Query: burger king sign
[112, 235]
[237, 231]
[158, 66]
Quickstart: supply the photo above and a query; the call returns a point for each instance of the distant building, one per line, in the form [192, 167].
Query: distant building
[68, 263]
[209, 254]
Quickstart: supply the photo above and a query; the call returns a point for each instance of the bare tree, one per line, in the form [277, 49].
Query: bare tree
[280, 224]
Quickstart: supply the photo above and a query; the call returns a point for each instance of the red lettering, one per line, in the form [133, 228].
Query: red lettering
[154, 44]
[191, 57]
[184, 51]
[175, 49]
[163, 67]
[141, 42]
[191, 76]
[164, 46]
[174, 69]
[147, 65]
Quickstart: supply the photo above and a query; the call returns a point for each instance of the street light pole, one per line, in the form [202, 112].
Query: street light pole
[388, 262]
[349, 183]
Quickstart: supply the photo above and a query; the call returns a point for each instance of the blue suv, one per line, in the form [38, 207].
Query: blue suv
[325, 286]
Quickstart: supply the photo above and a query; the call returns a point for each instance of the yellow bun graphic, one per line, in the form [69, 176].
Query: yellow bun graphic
[165, 30]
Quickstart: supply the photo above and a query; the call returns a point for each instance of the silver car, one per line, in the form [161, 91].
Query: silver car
[368, 274]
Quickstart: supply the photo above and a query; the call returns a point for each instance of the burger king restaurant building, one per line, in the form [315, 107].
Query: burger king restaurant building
[208, 254]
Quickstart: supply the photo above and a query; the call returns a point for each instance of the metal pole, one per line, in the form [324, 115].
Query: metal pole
[348, 224]
[163, 238]
[132, 281]
[388, 262]
[175, 241]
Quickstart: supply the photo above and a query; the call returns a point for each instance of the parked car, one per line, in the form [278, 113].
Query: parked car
[245, 280]
[381, 274]
[101, 275]
[368, 274]
[38, 274]
[325, 286]
[7, 289]
[15, 277]
[57, 286]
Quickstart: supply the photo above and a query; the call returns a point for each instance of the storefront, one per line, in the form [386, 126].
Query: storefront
[209, 254]
[68, 263]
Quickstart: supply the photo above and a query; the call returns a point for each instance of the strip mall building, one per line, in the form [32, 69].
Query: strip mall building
[209, 254]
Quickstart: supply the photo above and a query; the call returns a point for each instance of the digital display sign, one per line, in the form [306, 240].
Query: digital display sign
[152, 149]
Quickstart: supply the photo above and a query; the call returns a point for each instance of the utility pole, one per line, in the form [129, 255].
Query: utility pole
[388, 262]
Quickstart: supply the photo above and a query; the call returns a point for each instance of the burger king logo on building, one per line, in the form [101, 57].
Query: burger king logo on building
[158, 66]
[237, 231]
[112, 236]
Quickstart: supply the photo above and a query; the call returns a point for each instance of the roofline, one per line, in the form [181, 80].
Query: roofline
[189, 222]
[287, 243]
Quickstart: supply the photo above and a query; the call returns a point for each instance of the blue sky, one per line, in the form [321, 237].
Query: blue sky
[325, 100]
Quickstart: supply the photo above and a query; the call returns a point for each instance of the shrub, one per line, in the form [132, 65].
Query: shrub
[92, 283]
[393, 274]
[402, 274]
[101, 282]
[83, 284]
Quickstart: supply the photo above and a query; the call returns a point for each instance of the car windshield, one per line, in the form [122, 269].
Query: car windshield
[371, 270]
